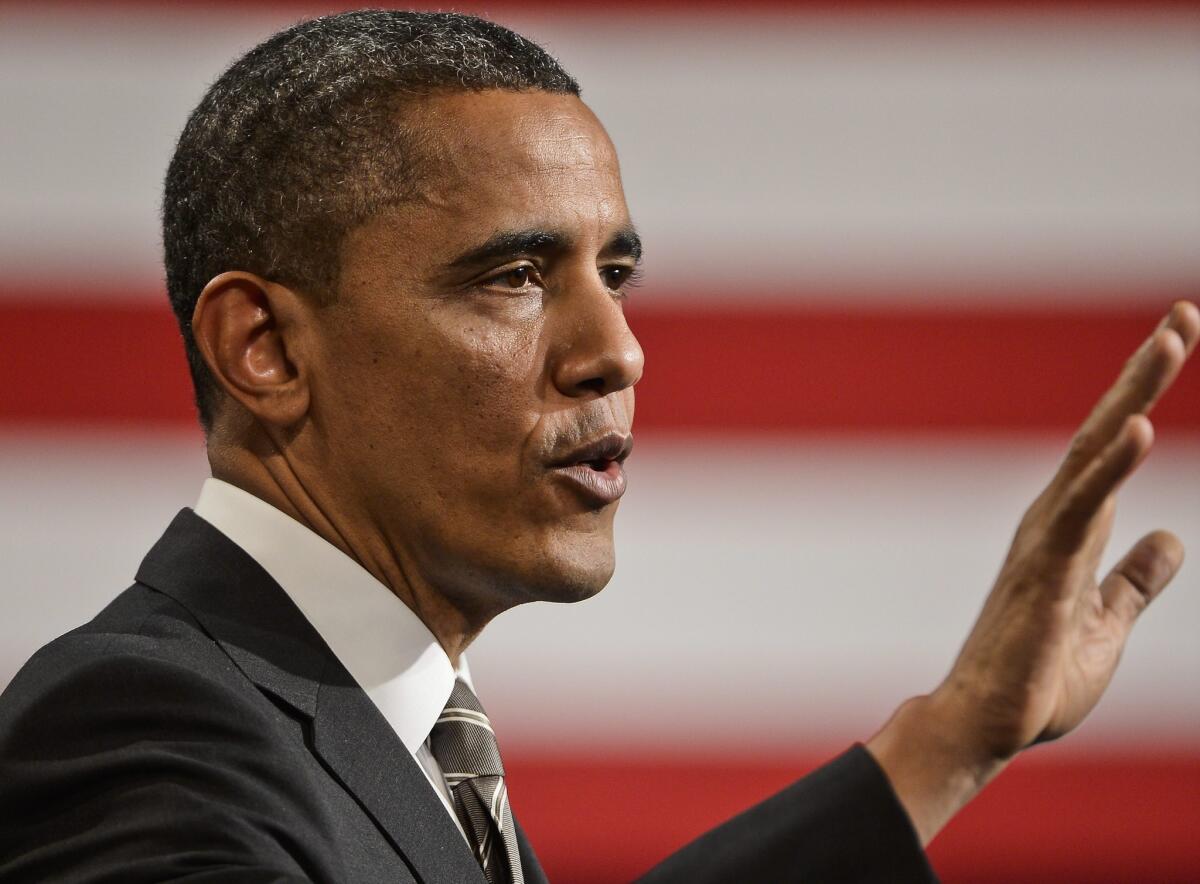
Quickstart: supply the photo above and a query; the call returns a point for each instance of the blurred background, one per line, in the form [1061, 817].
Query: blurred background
[895, 250]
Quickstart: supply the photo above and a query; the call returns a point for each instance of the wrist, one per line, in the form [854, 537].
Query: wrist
[933, 760]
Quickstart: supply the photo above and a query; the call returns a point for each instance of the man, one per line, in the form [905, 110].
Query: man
[397, 245]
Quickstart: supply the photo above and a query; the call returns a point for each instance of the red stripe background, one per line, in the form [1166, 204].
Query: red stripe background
[771, 367]
[1090, 819]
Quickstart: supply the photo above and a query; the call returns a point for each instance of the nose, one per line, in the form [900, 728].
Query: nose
[595, 353]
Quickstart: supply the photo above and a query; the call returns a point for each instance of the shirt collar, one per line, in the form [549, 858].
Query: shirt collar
[386, 648]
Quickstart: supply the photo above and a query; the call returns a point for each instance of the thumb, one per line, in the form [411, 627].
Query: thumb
[1141, 575]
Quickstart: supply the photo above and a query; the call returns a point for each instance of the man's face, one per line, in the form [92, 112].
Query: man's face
[478, 347]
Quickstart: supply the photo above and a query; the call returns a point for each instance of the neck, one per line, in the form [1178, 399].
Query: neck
[269, 476]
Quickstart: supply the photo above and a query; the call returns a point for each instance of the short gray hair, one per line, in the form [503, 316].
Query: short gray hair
[300, 140]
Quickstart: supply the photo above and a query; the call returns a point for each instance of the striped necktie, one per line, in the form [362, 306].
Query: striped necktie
[464, 745]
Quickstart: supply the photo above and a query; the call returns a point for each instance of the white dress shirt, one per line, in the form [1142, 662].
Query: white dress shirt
[380, 641]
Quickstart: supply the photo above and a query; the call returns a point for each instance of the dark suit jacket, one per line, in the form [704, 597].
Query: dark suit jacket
[199, 729]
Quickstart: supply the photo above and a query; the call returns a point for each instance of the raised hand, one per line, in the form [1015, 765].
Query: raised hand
[1050, 634]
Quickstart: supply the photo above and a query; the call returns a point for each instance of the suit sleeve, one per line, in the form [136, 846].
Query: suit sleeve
[841, 823]
[119, 766]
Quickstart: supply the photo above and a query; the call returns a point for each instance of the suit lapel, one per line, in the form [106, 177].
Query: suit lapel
[273, 644]
[354, 739]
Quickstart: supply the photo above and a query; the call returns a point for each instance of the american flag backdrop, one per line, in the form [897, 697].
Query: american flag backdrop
[894, 252]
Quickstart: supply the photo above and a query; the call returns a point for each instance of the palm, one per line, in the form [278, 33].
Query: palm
[1085, 666]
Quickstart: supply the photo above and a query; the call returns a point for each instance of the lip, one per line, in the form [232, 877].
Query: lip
[595, 468]
[602, 486]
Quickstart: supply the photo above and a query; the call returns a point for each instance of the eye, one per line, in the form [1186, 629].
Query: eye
[517, 278]
[618, 277]
[514, 278]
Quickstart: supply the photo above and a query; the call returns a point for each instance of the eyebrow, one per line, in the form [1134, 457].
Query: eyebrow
[625, 243]
[509, 244]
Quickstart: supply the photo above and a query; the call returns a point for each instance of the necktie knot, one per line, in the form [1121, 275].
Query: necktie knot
[463, 741]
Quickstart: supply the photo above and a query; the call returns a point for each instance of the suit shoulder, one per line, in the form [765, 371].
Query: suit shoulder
[139, 623]
[143, 652]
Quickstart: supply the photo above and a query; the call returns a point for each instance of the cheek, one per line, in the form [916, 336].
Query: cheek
[458, 389]
[499, 373]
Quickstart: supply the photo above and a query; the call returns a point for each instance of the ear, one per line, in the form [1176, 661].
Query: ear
[250, 334]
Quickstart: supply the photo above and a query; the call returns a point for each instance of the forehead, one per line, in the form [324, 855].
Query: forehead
[495, 160]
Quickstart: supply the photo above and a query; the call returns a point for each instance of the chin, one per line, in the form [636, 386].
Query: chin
[560, 567]
[574, 588]
[572, 578]
[565, 565]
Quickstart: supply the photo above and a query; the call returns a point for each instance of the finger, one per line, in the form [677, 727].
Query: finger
[1184, 319]
[1100, 533]
[1077, 509]
[1141, 575]
[1147, 374]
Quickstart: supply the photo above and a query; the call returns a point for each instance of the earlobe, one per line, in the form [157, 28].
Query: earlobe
[247, 330]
